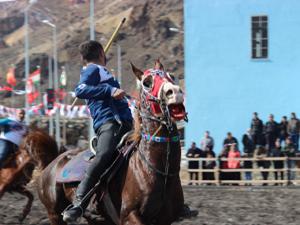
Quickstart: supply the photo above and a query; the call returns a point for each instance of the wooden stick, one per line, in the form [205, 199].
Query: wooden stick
[113, 36]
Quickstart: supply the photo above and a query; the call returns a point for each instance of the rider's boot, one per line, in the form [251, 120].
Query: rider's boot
[78, 207]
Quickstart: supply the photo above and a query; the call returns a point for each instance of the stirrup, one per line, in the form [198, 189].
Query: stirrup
[93, 144]
[71, 206]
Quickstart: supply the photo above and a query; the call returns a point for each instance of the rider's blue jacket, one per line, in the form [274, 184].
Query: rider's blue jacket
[96, 86]
[13, 130]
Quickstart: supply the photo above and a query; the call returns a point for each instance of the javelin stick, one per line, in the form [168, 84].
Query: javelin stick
[113, 36]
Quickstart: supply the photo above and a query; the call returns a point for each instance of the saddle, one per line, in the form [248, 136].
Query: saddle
[74, 170]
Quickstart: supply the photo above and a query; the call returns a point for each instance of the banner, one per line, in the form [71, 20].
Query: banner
[5, 88]
[78, 111]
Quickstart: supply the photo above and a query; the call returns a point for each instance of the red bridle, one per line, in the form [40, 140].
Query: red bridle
[158, 78]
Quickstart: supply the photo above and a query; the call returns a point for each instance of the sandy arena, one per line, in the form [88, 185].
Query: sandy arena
[223, 205]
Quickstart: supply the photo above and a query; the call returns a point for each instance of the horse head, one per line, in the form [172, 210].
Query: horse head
[160, 97]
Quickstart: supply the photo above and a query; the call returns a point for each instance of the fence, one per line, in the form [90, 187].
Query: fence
[289, 170]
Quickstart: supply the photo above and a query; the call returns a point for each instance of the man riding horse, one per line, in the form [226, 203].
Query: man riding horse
[14, 129]
[111, 119]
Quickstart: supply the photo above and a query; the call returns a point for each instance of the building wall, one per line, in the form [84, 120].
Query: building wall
[223, 84]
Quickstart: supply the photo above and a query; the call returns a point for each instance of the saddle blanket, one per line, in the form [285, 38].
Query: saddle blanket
[74, 170]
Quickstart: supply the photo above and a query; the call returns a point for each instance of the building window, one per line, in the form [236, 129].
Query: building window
[259, 37]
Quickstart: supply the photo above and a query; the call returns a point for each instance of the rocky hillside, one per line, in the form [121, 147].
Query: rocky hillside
[144, 37]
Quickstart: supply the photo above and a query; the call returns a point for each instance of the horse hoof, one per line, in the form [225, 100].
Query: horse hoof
[21, 219]
[187, 212]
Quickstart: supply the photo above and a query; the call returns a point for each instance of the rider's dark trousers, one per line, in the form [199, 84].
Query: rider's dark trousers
[6, 148]
[109, 136]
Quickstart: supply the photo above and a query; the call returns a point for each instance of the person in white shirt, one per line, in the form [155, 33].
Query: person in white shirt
[207, 143]
[13, 131]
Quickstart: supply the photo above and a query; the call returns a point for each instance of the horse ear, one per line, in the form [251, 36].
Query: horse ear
[137, 72]
[158, 65]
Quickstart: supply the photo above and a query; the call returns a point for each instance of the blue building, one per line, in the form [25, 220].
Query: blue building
[241, 56]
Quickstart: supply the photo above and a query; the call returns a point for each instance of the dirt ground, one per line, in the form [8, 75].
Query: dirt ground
[223, 205]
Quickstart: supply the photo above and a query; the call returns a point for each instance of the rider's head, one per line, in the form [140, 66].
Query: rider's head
[255, 115]
[92, 52]
[21, 114]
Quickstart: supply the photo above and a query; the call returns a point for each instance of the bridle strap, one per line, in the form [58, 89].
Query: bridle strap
[149, 164]
[154, 138]
[164, 108]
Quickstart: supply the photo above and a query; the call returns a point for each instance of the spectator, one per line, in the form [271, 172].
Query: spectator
[208, 163]
[283, 129]
[260, 153]
[207, 143]
[248, 165]
[289, 150]
[271, 132]
[277, 152]
[211, 164]
[248, 142]
[233, 162]
[257, 130]
[230, 140]
[223, 164]
[294, 129]
[192, 153]
[248, 153]
[207, 154]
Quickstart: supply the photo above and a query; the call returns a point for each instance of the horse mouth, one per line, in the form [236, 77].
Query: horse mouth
[177, 111]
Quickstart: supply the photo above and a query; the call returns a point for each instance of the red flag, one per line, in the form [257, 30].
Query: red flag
[61, 94]
[10, 77]
[32, 94]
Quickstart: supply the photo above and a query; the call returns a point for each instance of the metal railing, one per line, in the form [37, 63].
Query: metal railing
[288, 168]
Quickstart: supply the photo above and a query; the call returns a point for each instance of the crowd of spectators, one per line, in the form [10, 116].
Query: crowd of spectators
[261, 140]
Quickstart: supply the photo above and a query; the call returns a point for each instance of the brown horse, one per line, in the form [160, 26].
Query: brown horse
[37, 149]
[147, 190]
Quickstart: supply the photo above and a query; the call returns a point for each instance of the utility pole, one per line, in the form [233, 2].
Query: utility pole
[57, 116]
[92, 37]
[92, 24]
[26, 52]
[27, 118]
[50, 86]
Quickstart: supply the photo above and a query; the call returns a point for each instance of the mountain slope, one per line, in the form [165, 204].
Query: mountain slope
[144, 37]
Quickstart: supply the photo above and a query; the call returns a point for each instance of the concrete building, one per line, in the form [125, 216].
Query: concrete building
[241, 56]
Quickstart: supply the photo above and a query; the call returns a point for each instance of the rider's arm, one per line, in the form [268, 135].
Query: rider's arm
[89, 86]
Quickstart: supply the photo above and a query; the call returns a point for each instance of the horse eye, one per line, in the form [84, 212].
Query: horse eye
[148, 81]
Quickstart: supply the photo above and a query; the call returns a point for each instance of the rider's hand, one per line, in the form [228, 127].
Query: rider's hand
[119, 94]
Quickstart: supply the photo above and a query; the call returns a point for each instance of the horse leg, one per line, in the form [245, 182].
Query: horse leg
[132, 219]
[1, 191]
[23, 191]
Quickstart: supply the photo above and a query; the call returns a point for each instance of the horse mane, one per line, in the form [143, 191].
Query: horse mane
[40, 146]
[136, 136]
